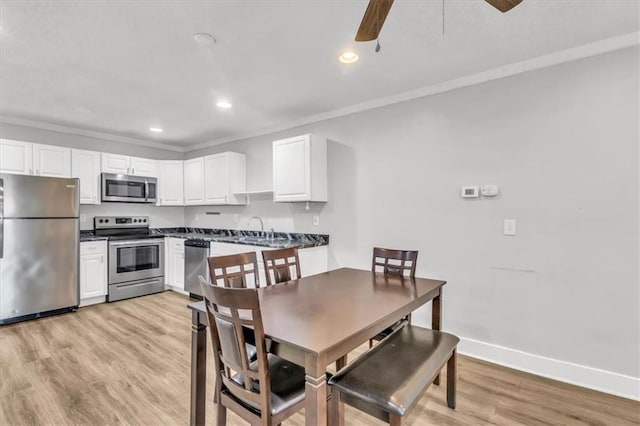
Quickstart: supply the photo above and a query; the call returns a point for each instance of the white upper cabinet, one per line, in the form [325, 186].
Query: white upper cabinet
[52, 161]
[300, 169]
[16, 157]
[85, 165]
[225, 174]
[125, 165]
[25, 158]
[116, 163]
[171, 183]
[194, 181]
[144, 167]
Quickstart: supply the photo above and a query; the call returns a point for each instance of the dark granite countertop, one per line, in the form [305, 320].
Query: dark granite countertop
[90, 236]
[251, 238]
[232, 236]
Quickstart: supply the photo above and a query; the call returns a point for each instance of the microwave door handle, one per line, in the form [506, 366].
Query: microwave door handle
[146, 190]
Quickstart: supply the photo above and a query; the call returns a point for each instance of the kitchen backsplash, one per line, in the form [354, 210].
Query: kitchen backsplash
[160, 217]
[282, 217]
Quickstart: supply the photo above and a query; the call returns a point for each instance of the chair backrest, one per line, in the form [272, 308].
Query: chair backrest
[235, 270]
[394, 262]
[278, 265]
[228, 310]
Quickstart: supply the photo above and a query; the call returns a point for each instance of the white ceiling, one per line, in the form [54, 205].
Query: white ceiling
[120, 67]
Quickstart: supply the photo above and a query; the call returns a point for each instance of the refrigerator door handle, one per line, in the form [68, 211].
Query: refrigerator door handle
[1, 218]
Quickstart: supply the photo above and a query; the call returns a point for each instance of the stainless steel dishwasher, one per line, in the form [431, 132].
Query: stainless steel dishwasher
[195, 264]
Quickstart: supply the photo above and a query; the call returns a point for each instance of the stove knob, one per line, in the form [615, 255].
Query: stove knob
[135, 220]
[144, 220]
[100, 221]
[106, 221]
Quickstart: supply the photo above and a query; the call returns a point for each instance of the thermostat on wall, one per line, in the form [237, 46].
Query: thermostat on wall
[469, 192]
[489, 190]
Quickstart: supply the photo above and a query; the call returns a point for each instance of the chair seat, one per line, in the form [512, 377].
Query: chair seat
[394, 374]
[287, 384]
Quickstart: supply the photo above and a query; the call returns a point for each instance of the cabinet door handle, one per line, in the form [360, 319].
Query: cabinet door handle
[133, 171]
[101, 259]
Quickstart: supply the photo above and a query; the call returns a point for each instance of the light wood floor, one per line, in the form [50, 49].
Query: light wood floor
[128, 363]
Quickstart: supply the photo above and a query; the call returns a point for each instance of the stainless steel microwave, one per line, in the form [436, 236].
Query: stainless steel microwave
[129, 189]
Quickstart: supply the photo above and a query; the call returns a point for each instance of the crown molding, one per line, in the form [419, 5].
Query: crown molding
[89, 133]
[569, 55]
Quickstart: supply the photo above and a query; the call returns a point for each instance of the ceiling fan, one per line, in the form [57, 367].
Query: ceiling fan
[377, 11]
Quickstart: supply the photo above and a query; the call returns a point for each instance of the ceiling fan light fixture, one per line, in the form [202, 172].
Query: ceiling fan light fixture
[348, 57]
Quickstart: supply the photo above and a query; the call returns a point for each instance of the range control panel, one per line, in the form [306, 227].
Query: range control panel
[111, 222]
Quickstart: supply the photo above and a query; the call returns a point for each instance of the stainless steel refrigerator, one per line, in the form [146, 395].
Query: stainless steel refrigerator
[39, 246]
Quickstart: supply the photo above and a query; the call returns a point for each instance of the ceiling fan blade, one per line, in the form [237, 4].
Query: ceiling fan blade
[504, 5]
[373, 19]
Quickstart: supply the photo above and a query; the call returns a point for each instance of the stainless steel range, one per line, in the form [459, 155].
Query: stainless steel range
[136, 256]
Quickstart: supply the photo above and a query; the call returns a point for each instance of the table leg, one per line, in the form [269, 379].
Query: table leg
[315, 392]
[436, 316]
[198, 370]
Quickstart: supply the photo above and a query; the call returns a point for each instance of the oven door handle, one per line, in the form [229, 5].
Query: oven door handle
[135, 242]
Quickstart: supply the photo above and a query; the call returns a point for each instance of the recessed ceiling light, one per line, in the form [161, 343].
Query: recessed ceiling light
[349, 57]
[223, 104]
[204, 39]
[156, 129]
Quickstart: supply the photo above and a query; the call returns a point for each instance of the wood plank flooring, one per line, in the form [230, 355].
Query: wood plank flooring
[128, 363]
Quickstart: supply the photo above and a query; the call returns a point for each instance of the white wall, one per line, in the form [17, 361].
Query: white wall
[562, 144]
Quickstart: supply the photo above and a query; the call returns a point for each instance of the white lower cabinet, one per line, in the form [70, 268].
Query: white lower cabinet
[93, 272]
[174, 263]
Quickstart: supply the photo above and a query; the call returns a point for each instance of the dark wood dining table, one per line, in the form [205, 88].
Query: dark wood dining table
[316, 320]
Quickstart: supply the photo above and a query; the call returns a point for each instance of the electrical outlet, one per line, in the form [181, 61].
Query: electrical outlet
[316, 220]
[83, 218]
[236, 218]
[510, 227]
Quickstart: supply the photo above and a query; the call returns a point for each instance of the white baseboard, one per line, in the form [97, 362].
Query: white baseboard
[580, 375]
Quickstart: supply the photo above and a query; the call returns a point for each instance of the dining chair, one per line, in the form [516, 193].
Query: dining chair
[235, 270]
[393, 262]
[281, 265]
[263, 392]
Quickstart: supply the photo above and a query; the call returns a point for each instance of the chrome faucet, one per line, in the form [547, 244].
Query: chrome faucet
[261, 222]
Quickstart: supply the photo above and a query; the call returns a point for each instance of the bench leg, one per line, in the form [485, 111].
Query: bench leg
[451, 380]
[395, 420]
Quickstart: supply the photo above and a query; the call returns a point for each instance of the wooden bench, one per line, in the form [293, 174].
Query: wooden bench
[389, 379]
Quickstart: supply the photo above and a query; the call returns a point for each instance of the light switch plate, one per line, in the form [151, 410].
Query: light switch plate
[316, 220]
[236, 218]
[510, 227]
